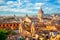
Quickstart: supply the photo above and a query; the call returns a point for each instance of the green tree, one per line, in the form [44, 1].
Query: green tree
[9, 32]
[3, 34]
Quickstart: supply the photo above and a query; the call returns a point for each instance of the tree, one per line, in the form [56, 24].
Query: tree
[9, 32]
[3, 34]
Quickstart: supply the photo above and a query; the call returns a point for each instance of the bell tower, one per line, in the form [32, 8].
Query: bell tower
[40, 14]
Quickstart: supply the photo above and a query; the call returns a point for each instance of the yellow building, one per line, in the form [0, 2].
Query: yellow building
[50, 27]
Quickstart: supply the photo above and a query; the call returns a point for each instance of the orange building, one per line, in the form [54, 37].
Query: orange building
[13, 26]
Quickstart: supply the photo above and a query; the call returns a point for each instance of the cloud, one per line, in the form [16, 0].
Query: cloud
[49, 9]
[13, 4]
[57, 6]
[25, 6]
[46, 0]
[37, 6]
[16, 3]
[3, 8]
[26, 1]
[33, 8]
[2, 1]
[19, 3]
[6, 8]
[57, 1]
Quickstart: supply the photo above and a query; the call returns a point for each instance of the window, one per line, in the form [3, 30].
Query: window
[14, 24]
[7, 24]
[0, 25]
[10, 24]
[3, 25]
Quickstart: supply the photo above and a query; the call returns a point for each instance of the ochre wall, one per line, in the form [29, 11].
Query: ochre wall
[12, 26]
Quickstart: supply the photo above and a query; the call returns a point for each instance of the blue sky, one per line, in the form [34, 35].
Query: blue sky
[31, 7]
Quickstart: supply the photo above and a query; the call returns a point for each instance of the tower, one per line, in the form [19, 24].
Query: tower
[40, 15]
[26, 15]
[15, 17]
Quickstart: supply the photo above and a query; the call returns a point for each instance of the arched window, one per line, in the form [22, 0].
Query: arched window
[14, 25]
[3, 25]
[0, 25]
[7, 25]
[10, 24]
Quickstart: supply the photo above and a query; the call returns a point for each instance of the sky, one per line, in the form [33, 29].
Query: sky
[30, 7]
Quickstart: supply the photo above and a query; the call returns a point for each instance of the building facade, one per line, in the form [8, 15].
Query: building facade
[13, 26]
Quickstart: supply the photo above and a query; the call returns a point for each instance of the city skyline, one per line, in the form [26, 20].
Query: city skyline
[29, 19]
[31, 7]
